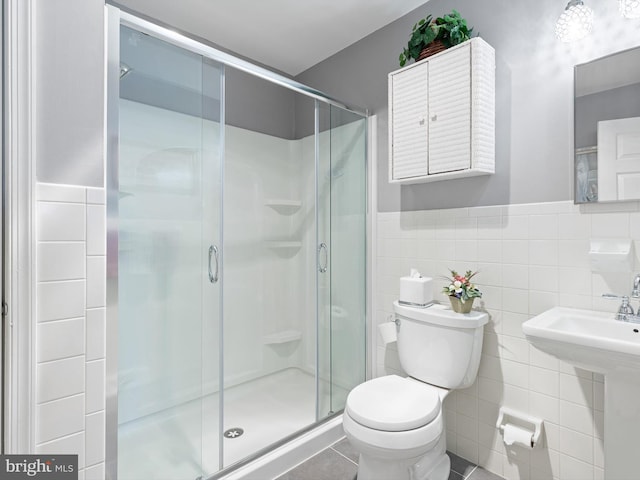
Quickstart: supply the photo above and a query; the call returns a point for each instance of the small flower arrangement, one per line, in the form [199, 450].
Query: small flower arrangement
[460, 286]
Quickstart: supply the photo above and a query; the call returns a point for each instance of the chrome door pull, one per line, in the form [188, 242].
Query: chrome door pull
[321, 268]
[213, 252]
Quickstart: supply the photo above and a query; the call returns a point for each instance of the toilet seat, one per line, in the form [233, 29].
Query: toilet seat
[393, 404]
[390, 445]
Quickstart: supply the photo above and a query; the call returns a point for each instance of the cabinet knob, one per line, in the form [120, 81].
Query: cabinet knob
[421, 122]
[434, 118]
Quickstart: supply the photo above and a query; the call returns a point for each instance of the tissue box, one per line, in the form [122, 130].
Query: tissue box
[416, 291]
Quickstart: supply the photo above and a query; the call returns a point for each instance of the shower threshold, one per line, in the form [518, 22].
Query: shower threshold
[291, 452]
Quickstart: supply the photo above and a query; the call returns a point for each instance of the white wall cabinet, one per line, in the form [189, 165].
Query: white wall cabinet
[442, 116]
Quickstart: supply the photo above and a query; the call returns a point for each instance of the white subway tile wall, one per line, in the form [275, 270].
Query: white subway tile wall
[71, 444]
[531, 257]
[70, 330]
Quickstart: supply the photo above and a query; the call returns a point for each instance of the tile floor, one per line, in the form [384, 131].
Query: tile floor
[340, 462]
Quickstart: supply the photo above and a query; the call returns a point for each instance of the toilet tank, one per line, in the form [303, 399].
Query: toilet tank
[438, 346]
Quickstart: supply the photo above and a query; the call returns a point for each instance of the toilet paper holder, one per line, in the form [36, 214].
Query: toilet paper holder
[534, 424]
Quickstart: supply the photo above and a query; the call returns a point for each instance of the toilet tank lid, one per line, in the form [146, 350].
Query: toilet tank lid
[442, 315]
[393, 403]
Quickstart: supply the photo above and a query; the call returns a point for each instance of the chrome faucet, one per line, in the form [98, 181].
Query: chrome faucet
[635, 293]
[625, 312]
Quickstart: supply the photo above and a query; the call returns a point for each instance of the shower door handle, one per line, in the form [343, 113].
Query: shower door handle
[213, 252]
[323, 268]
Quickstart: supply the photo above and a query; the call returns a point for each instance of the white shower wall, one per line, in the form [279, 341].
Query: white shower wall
[260, 171]
[266, 259]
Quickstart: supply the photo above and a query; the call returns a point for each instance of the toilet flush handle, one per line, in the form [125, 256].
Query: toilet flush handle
[394, 319]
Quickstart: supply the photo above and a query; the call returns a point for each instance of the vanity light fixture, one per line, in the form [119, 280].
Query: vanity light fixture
[630, 8]
[575, 22]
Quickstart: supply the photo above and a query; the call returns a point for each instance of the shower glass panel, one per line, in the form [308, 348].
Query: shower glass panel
[341, 225]
[269, 263]
[168, 237]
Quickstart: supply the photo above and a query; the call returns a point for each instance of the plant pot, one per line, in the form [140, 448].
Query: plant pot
[459, 307]
[431, 49]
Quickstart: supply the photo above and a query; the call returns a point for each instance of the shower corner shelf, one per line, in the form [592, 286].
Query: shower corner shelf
[284, 336]
[284, 244]
[284, 207]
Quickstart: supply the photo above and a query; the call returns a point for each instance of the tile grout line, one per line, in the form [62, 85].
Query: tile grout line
[343, 456]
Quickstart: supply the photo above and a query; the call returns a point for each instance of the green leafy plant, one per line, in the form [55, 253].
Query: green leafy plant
[451, 29]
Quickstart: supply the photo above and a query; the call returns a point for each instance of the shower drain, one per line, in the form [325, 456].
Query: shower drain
[233, 432]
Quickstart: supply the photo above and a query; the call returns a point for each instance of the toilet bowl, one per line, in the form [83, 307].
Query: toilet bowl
[397, 426]
[397, 423]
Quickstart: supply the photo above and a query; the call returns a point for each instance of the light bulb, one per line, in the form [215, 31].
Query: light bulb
[630, 8]
[576, 22]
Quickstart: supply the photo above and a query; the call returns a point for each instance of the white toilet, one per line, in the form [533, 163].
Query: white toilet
[396, 423]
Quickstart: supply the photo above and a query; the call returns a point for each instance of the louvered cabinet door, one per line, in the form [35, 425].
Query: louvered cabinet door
[408, 97]
[442, 116]
[450, 111]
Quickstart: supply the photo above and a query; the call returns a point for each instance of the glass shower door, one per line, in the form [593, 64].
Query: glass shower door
[168, 261]
[341, 191]
[270, 242]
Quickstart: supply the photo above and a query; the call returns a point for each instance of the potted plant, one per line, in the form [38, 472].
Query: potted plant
[431, 36]
[461, 291]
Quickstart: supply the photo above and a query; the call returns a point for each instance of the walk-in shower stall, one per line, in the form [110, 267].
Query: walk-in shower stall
[236, 256]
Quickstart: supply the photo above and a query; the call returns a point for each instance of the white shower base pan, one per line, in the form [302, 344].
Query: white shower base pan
[171, 445]
[288, 456]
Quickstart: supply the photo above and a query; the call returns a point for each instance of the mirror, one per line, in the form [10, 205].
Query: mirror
[607, 128]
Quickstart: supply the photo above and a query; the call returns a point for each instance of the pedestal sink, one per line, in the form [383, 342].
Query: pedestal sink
[596, 341]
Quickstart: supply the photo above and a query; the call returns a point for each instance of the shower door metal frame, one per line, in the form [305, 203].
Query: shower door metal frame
[111, 185]
[115, 17]
[200, 47]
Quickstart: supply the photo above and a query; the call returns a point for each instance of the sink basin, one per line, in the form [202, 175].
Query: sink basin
[587, 339]
[598, 342]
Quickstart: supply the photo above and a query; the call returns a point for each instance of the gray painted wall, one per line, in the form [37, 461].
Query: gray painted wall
[169, 77]
[69, 91]
[261, 106]
[251, 102]
[623, 102]
[534, 97]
